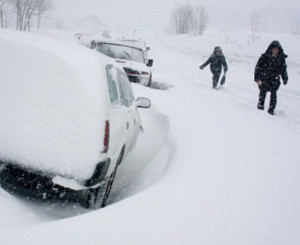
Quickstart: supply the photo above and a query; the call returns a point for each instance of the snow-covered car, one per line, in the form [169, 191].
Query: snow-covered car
[132, 58]
[68, 118]
[137, 43]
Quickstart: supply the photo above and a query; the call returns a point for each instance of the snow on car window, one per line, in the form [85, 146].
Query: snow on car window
[112, 87]
[124, 94]
[129, 88]
[121, 52]
[122, 77]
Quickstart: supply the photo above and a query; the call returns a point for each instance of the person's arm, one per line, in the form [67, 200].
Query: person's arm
[259, 70]
[225, 65]
[284, 74]
[205, 64]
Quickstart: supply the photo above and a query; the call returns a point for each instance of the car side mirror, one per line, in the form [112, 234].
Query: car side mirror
[150, 63]
[143, 102]
[147, 49]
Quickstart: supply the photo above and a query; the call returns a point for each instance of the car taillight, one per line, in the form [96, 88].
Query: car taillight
[106, 137]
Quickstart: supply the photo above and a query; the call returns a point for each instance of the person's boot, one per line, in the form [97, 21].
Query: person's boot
[271, 112]
[260, 106]
[215, 83]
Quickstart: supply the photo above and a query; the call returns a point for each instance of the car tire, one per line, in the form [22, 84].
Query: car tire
[97, 197]
[150, 81]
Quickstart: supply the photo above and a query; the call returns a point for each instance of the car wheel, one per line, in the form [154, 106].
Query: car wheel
[150, 81]
[108, 188]
[97, 197]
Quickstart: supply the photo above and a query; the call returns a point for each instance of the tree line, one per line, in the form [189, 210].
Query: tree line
[23, 11]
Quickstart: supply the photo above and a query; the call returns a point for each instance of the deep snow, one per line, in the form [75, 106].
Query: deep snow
[224, 172]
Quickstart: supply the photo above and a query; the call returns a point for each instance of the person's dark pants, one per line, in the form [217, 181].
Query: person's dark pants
[215, 79]
[264, 88]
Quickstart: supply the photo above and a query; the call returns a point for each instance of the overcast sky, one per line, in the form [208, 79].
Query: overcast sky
[154, 15]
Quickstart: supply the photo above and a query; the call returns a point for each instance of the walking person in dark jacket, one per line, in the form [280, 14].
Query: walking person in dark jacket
[216, 61]
[268, 70]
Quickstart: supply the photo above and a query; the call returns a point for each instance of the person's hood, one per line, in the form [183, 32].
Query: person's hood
[217, 49]
[275, 44]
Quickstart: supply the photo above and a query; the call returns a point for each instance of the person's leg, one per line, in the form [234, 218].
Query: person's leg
[216, 79]
[261, 98]
[273, 101]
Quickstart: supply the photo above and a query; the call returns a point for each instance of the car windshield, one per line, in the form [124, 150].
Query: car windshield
[121, 52]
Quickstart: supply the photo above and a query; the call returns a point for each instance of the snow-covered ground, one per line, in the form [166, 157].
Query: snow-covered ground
[208, 169]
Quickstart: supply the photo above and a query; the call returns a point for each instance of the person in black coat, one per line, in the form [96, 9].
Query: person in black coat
[270, 66]
[216, 61]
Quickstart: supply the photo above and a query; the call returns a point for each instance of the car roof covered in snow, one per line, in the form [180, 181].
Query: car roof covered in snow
[53, 103]
[135, 42]
[89, 39]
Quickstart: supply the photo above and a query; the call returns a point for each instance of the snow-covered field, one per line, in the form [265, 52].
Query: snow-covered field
[208, 169]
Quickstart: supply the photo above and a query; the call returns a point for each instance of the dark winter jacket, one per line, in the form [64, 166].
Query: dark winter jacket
[269, 67]
[216, 62]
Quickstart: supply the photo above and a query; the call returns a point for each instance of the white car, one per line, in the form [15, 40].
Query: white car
[68, 118]
[132, 58]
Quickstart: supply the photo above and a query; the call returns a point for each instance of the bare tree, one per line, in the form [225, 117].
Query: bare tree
[181, 19]
[2, 2]
[189, 18]
[43, 7]
[199, 20]
[3, 12]
[26, 9]
[255, 22]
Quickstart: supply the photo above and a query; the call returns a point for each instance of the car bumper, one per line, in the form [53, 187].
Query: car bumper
[141, 79]
[34, 186]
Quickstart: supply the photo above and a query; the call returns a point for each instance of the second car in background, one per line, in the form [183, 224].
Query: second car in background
[132, 58]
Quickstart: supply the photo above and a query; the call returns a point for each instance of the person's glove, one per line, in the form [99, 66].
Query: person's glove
[284, 82]
[201, 67]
